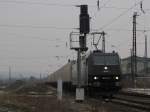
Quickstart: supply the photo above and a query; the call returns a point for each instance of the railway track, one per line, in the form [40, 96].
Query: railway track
[137, 101]
[123, 102]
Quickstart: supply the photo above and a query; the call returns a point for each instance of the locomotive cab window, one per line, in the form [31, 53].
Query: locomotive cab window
[112, 60]
[98, 60]
[105, 60]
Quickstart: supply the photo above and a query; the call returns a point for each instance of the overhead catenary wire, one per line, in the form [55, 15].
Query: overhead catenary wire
[35, 37]
[37, 3]
[46, 3]
[35, 26]
[51, 27]
[120, 15]
[35, 57]
[62, 5]
[100, 7]
[104, 4]
[61, 28]
[126, 30]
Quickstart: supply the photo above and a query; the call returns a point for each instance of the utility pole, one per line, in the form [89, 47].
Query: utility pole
[9, 75]
[134, 48]
[145, 46]
[131, 51]
[145, 56]
[40, 76]
[103, 41]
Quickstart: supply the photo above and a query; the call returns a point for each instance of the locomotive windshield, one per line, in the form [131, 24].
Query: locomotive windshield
[106, 60]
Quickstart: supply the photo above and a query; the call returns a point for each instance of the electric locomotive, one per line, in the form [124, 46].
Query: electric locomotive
[100, 73]
[104, 72]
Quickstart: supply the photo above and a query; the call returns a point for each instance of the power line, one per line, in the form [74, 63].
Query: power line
[118, 17]
[99, 8]
[38, 3]
[123, 29]
[43, 3]
[126, 30]
[28, 58]
[62, 5]
[35, 27]
[120, 8]
[113, 7]
[104, 4]
[35, 37]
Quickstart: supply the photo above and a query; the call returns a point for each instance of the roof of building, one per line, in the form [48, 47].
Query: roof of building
[138, 58]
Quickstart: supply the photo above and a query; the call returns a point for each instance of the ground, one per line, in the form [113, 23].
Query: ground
[39, 97]
[34, 99]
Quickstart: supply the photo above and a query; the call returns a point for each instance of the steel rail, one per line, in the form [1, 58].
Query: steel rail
[137, 101]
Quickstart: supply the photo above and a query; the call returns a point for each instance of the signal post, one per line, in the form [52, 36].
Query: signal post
[84, 21]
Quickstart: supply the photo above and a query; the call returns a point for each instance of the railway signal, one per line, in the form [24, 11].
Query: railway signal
[84, 21]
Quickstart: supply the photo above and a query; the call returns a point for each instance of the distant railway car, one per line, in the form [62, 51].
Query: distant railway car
[64, 73]
[100, 73]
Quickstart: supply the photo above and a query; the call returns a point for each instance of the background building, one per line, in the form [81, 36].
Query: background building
[143, 66]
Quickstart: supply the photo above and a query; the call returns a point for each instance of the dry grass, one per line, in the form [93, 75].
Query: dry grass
[10, 101]
[22, 101]
[29, 103]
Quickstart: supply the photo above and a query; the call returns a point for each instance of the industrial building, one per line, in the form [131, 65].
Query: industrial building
[143, 66]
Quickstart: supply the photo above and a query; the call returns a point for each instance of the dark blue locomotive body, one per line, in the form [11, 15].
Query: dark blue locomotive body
[104, 72]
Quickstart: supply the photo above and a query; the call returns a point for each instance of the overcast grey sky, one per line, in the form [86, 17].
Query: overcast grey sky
[33, 33]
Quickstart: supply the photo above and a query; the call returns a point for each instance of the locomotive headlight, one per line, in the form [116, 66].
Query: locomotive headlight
[105, 67]
[95, 78]
[117, 77]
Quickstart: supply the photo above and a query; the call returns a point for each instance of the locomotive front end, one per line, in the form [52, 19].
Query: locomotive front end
[104, 72]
